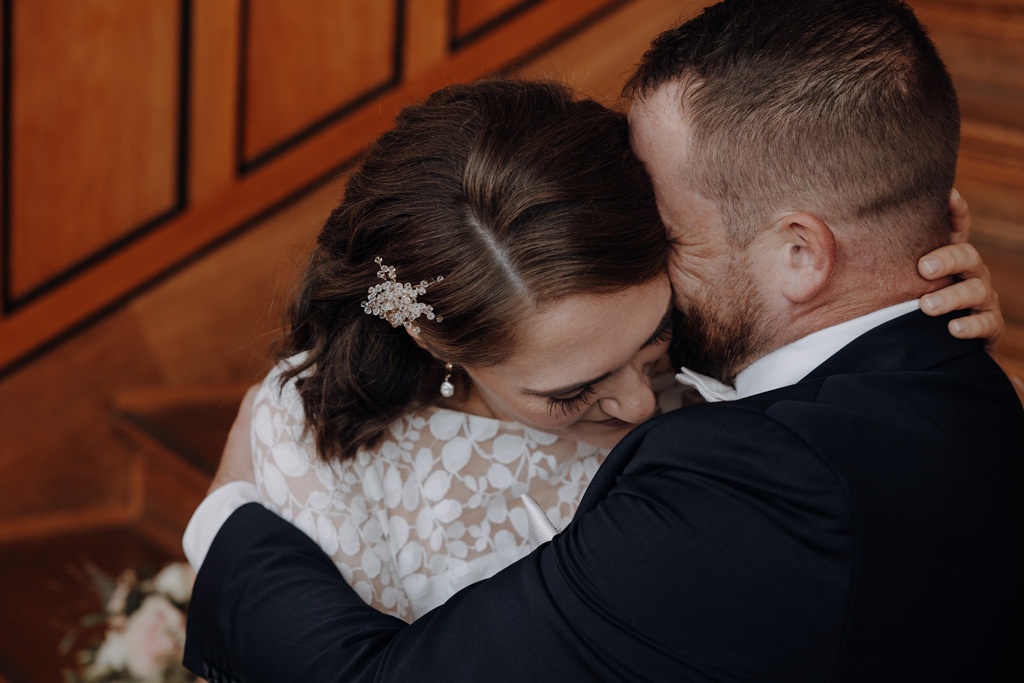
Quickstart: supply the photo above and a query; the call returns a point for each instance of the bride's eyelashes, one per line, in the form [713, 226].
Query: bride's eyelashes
[663, 335]
[573, 403]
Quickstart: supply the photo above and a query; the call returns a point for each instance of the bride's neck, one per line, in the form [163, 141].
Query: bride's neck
[469, 401]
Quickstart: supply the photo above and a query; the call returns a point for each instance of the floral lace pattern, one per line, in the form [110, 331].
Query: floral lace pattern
[433, 508]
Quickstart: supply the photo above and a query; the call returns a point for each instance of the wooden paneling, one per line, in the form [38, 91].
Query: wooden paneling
[598, 61]
[471, 17]
[980, 40]
[227, 109]
[48, 591]
[246, 286]
[307, 61]
[214, 69]
[57, 449]
[982, 43]
[426, 35]
[94, 113]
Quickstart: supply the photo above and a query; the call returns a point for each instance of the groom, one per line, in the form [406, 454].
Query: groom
[852, 516]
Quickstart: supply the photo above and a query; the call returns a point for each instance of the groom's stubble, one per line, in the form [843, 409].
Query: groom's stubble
[726, 327]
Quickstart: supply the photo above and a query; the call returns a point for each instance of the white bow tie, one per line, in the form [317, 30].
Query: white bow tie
[710, 389]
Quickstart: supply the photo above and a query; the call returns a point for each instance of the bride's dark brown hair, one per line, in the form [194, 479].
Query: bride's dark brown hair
[516, 193]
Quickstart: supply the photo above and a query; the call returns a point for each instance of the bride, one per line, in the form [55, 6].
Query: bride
[485, 315]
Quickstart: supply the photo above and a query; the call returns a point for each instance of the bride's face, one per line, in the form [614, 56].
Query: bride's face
[583, 365]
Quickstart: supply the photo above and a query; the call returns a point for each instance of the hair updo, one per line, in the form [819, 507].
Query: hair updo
[515, 193]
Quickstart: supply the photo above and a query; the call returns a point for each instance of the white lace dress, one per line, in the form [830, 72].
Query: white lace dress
[433, 508]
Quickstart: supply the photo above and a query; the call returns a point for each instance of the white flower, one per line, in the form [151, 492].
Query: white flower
[111, 656]
[119, 597]
[175, 581]
[153, 637]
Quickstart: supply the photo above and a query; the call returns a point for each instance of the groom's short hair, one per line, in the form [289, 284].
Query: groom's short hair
[842, 105]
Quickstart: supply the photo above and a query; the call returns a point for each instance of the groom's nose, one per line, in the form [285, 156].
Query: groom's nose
[630, 398]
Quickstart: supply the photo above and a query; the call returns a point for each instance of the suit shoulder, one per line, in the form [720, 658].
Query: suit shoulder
[742, 441]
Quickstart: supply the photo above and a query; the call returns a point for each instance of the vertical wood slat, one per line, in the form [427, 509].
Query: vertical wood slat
[94, 129]
[426, 36]
[214, 80]
[306, 60]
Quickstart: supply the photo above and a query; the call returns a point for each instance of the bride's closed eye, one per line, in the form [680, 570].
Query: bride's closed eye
[663, 335]
[571, 404]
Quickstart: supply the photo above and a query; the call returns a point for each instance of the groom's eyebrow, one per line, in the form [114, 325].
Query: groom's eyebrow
[573, 388]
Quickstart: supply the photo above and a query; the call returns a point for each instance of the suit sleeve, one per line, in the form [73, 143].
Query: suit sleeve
[721, 549]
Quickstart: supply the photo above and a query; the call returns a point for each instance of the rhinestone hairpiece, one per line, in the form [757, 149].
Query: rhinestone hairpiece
[395, 301]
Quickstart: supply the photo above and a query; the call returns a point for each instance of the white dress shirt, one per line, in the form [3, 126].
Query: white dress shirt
[780, 368]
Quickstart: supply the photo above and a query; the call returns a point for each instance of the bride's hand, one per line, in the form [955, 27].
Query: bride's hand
[973, 288]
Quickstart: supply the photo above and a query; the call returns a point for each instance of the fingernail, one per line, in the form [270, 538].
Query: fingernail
[955, 195]
[958, 327]
[931, 301]
[930, 266]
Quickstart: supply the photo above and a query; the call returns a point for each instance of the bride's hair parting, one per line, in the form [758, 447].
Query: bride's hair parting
[507, 196]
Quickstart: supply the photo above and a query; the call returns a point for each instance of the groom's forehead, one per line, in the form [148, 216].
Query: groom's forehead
[659, 136]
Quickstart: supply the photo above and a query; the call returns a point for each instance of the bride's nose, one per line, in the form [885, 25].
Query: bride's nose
[630, 398]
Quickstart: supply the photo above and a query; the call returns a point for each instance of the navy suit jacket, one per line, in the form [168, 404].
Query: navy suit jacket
[861, 525]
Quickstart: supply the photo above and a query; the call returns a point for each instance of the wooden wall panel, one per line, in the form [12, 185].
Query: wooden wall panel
[980, 40]
[232, 188]
[94, 131]
[215, 64]
[56, 451]
[306, 61]
[472, 16]
[426, 36]
[982, 43]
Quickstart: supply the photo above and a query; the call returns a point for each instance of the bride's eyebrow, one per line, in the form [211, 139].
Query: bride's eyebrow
[579, 386]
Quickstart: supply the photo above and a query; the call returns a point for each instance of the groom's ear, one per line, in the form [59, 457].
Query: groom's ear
[806, 251]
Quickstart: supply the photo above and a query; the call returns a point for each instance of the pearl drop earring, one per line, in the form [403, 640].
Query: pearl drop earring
[447, 388]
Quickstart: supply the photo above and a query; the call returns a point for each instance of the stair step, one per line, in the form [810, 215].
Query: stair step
[47, 590]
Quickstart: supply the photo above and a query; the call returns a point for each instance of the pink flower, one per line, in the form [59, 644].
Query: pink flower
[153, 636]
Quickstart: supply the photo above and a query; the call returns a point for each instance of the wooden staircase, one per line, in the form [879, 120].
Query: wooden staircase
[48, 588]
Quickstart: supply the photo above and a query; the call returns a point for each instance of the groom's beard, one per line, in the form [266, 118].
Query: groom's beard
[724, 330]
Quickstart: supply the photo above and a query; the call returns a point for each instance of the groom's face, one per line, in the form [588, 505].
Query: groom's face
[714, 281]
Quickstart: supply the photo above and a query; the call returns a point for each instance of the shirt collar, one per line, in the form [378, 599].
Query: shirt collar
[791, 363]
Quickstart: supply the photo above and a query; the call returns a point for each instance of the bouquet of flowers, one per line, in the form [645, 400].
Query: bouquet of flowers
[144, 622]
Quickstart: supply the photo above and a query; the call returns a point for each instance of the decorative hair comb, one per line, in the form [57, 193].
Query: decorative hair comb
[396, 302]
